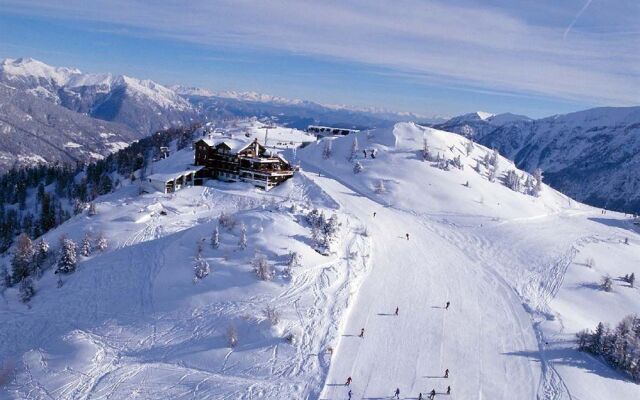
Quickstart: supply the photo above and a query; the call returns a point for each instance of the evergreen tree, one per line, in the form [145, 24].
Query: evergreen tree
[512, 180]
[85, 246]
[22, 262]
[606, 283]
[215, 237]
[354, 149]
[106, 185]
[242, 242]
[468, 147]
[5, 278]
[293, 262]
[47, 213]
[357, 167]
[41, 255]
[380, 187]
[426, 154]
[537, 188]
[101, 242]
[262, 268]
[27, 289]
[67, 260]
[200, 269]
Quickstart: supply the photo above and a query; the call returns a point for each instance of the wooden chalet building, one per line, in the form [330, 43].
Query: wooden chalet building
[248, 162]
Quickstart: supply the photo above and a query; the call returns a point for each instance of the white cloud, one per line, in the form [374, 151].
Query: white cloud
[485, 47]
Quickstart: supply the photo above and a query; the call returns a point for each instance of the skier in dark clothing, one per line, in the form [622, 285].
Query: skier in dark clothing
[407, 236]
[397, 310]
[420, 396]
[349, 394]
[432, 395]
[348, 381]
[365, 153]
[397, 394]
[446, 307]
[374, 214]
[448, 389]
[362, 333]
[446, 373]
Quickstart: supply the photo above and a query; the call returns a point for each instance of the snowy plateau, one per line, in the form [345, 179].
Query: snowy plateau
[521, 274]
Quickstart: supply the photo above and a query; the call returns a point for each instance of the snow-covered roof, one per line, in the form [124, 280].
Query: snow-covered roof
[235, 145]
[179, 164]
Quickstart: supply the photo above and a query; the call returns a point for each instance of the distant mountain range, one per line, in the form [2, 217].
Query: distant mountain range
[591, 155]
[52, 114]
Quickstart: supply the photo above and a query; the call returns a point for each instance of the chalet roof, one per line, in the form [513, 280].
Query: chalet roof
[237, 145]
[179, 164]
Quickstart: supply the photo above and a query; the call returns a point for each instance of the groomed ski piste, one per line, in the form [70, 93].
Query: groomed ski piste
[131, 323]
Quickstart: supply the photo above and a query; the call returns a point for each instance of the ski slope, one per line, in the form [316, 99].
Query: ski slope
[130, 323]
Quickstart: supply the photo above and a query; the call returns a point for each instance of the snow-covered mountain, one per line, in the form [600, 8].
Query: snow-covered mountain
[476, 125]
[520, 274]
[143, 105]
[591, 155]
[34, 130]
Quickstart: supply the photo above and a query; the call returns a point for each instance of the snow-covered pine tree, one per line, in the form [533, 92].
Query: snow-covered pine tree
[242, 242]
[5, 278]
[41, 254]
[353, 153]
[330, 231]
[293, 262]
[606, 283]
[262, 268]
[495, 159]
[512, 180]
[326, 150]
[85, 246]
[227, 221]
[68, 259]
[426, 154]
[200, 269]
[22, 262]
[271, 315]
[27, 289]
[478, 168]
[457, 162]
[357, 167]
[380, 188]
[215, 237]
[630, 279]
[468, 147]
[102, 243]
[537, 188]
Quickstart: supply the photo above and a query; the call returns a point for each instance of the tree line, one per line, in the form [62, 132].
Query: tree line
[59, 191]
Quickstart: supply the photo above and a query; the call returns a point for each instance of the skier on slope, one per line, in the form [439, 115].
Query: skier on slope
[362, 333]
[420, 396]
[448, 389]
[397, 310]
[446, 307]
[349, 394]
[397, 393]
[446, 373]
[348, 381]
[432, 395]
[407, 236]
[374, 214]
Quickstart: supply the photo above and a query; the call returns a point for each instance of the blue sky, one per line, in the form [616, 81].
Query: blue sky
[430, 57]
